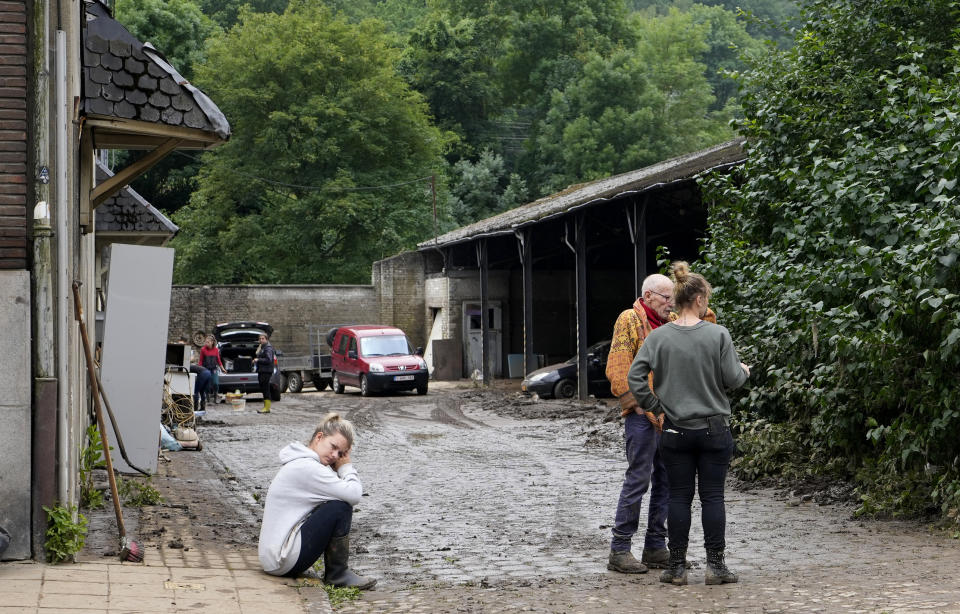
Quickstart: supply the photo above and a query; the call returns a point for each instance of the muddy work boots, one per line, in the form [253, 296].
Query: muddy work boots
[336, 571]
[717, 571]
[676, 571]
[655, 558]
[625, 562]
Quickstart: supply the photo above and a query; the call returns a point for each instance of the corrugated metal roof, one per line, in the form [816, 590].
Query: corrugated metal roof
[681, 168]
[127, 211]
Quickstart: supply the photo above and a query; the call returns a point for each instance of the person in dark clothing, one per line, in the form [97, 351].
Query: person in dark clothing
[265, 363]
[693, 364]
[200, 387]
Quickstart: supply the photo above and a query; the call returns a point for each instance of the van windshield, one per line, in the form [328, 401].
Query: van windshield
[388, 345]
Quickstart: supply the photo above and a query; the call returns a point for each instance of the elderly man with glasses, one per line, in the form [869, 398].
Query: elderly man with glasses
[645, 469]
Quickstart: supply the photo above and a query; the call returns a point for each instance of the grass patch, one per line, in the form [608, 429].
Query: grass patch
[341, 594]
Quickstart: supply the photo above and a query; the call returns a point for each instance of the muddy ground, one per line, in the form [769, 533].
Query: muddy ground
[488, 501]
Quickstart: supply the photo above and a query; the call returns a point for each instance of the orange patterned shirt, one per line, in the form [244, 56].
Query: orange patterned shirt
[631, 329]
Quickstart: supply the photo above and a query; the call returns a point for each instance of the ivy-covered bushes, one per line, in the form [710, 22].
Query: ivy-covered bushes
[833, 252]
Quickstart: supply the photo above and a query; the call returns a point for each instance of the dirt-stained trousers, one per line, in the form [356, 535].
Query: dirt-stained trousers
[644, 472]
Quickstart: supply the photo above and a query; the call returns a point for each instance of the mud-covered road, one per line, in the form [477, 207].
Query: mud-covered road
[485, 502]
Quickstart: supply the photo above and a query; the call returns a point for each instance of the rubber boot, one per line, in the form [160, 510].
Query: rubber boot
[266, 407]
[676, 573]
[336, 571]
[717, 571]
[658, 558]
[625, 562]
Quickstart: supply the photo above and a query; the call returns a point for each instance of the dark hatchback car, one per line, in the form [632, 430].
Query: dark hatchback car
[238, 342]
[560, 380]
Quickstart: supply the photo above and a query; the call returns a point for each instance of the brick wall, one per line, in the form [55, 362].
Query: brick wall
[289, 309]
[13, 135]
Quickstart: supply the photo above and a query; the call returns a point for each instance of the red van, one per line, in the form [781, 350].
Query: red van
[374, 359]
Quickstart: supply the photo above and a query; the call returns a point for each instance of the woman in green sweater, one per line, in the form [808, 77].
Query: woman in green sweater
[693, 363]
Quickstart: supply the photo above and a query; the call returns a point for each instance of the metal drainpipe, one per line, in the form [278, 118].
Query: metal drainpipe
[63, 312]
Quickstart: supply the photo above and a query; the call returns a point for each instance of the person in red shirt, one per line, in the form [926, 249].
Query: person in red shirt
[210, 359]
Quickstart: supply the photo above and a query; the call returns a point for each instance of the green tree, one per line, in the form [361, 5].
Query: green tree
[177, 28]
[227, 12]
[318, 115]
[484, 188]
[834, 252]
[631, 109]
[452, 65]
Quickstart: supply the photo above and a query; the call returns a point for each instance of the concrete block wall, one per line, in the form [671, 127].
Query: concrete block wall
[15, 411]
[401, 289]
[289, 309]
[13, 135]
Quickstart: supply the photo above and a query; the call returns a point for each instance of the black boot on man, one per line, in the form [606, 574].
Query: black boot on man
[717, 570]
[676, 572]
[336, 571]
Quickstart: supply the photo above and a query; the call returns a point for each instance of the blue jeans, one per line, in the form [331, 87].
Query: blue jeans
[328, 520]
[695, 456]
[644, 472]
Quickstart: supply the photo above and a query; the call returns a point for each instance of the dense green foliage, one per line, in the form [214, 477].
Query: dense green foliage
[503, 101]
[834, 252]
[318, 113]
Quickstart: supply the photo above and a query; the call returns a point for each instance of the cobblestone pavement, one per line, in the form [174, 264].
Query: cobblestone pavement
[471, 507]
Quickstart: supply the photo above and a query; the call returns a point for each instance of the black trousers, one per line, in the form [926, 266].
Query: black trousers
[696, 459]
[264, 380]
[328, 520]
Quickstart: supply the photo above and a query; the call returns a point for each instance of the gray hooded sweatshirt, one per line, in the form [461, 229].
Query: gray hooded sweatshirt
[301, 484]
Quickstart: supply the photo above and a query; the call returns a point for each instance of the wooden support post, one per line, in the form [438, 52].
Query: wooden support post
[109, 187]
[484, 314]
[525, 237]
[581, 264]
[637, 225]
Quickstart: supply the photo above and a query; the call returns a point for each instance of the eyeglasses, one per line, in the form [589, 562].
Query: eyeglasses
[664, 296]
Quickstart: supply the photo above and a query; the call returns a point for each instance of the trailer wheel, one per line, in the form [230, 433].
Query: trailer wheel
[319, 383]
[294, 381]
[283, 383]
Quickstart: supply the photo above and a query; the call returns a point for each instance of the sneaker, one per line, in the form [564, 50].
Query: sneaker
[625, 562]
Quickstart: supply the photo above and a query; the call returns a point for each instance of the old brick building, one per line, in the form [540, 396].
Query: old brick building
[13, 136]
[72, 81]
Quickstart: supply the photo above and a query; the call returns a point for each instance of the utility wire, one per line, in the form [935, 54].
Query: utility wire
[318, 188]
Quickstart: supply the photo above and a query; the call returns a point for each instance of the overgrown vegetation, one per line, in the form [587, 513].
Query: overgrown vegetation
[65, 536]
[834, 255]
[341, 594]
[91, 457]
[138, 492]
[347, 115]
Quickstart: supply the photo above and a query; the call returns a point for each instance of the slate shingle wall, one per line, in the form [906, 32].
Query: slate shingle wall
[13, 135]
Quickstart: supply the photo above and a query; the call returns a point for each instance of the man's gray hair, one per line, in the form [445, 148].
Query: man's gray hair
[655, 281]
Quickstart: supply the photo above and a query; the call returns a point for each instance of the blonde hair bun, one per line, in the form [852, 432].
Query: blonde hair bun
[681, 271]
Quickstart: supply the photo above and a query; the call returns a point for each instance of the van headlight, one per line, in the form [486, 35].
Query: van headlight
[421, 364]
[376, 367]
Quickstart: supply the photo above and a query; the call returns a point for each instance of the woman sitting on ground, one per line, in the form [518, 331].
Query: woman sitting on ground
[693, 362]
[309, 507]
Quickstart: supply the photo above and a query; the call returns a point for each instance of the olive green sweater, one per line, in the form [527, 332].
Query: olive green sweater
[692, 366]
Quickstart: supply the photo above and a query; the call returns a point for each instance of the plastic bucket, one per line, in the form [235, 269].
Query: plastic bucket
[238, 403]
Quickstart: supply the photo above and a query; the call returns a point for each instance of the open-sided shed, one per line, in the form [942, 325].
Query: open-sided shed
[549, 278]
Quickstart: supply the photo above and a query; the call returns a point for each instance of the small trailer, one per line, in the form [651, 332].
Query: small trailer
[313, 367]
